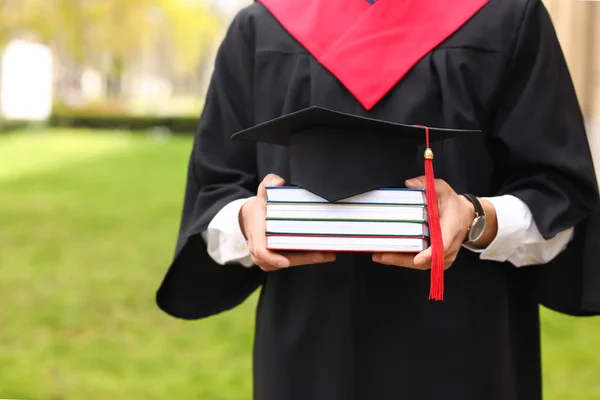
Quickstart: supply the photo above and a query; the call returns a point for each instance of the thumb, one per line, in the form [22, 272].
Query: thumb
[423, 258]
[270, 180]
[415, 183]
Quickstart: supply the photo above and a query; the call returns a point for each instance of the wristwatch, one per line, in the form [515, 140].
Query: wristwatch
[477, 228]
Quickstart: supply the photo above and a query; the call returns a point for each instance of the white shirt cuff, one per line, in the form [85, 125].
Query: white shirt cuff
[519, 240]
[224, 238]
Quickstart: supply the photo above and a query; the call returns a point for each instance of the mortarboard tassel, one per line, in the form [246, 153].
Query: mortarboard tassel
[436, 288]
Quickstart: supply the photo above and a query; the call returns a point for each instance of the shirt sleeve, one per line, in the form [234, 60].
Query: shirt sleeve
[519, 240]
[224, 238]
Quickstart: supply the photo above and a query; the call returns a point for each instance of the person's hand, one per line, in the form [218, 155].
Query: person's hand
[456, 216]
[252, 222]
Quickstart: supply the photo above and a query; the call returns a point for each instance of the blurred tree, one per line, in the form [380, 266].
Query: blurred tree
[111, 35]
[191, 28]
[12, 20]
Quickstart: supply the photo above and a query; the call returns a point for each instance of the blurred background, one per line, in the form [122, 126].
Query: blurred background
[98, 103]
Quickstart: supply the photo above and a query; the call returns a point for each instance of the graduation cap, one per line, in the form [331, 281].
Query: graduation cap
[337, 155]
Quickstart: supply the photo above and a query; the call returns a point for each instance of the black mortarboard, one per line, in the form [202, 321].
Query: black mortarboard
[336, 155]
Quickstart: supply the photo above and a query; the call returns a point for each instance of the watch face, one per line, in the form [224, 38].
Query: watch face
[477, 229]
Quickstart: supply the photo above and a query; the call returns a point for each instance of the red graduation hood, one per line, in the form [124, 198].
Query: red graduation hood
[370, 45]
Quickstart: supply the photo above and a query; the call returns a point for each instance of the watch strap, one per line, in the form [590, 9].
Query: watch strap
[479, 213]
[476, 204]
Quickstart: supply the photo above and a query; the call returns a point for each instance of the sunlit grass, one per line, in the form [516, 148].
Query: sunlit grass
[82, 250]
[34, 151]
[84, 242]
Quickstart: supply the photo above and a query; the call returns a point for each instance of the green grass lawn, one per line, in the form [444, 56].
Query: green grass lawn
[87, 228]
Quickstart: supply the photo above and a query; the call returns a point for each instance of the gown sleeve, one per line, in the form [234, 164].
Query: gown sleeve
[542, 156]
[219, 172]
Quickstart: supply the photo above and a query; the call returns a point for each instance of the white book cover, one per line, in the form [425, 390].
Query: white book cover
[296, 194]
[347, 244]
[346, 227]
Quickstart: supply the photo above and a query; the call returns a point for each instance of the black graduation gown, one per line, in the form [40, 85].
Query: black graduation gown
[354, 329]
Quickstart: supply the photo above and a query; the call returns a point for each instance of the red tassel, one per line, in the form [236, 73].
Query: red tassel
[436, 289]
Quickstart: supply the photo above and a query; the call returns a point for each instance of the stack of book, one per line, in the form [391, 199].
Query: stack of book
[384, 220]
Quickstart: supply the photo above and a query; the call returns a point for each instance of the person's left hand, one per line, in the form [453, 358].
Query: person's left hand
[456, 215]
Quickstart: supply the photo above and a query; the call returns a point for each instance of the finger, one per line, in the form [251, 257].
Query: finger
[268, 267]
[450, 259]
[269, 260]
[270, 180]
[257, 240]
[449, 237]
[423, 259]
[264, 257]
[415, 183]
[418, 182]
[306, 258]
[396, 259]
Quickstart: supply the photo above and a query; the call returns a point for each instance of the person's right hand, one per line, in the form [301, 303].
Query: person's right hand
[252, 222]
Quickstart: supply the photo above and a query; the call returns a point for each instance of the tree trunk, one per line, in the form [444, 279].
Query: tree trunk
[114, 79]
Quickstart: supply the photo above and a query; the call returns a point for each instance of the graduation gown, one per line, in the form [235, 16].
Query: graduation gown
[354, 329]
